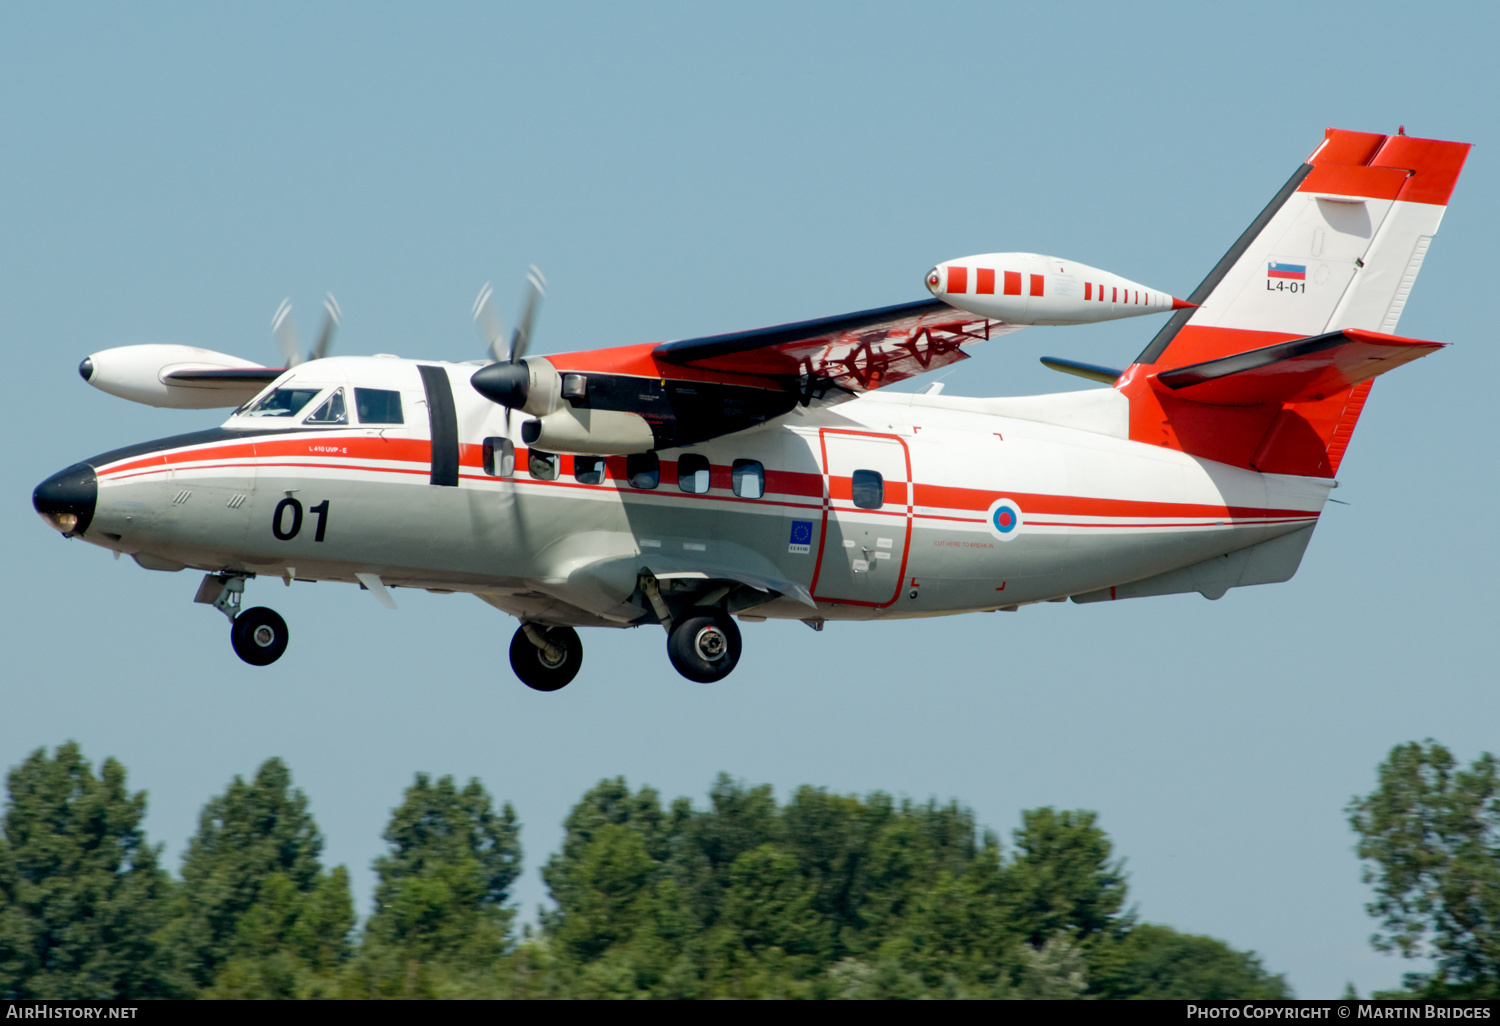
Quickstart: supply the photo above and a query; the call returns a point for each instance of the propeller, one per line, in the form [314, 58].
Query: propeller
[507, 381]
[291, 349]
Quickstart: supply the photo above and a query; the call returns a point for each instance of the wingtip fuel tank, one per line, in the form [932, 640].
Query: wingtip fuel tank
[1031, 288]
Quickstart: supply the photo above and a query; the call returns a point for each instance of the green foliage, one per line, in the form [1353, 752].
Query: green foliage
[827, 896]
[1156, 962]
[440, 922]
[257, 915]
[1063, 880]
[81, 895]
[1431, 833]
[836, 896]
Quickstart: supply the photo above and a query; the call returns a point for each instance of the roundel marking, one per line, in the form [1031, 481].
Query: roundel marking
[1004, 518]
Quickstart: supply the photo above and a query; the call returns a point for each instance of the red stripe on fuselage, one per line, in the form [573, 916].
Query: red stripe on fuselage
[797, 484]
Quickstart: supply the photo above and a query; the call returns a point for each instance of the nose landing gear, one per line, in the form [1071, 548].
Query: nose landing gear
[259, 635]
[545, 658]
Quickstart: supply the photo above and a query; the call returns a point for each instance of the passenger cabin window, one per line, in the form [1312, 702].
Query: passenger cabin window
[331, 412]
[588, 469]
[643, 470]
[869, 489]
[378, 406]
[749, 479]
[284, 402]
[499, 457]
[543, 465]
[692, 474]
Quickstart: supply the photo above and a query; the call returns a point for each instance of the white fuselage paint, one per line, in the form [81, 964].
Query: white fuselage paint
[1095, 510]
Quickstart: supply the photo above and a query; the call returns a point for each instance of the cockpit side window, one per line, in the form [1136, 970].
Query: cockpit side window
[283, 402]
[378, 406]
[331, 412]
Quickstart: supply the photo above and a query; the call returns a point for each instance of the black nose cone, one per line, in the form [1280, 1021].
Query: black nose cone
[66, 499]
[503, 383]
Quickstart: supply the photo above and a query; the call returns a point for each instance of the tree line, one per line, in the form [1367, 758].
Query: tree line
[822, 896]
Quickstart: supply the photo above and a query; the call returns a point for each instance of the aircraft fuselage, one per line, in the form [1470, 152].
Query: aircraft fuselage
[883, 506]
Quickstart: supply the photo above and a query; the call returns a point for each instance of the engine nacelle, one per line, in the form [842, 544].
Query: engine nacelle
[565, 423]
[1030, 288]
[144, 374]
[585, 432]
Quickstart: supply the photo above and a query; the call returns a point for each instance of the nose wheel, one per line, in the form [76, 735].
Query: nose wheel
[545, 658]
[704, 645]
[259, 636]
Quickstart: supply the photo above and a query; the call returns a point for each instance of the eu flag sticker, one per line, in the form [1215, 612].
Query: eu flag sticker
[801, 540]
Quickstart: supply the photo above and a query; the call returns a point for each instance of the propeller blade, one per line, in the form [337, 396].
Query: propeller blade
[536, 288]
[488, 322]
[332, 315]
[281, 324]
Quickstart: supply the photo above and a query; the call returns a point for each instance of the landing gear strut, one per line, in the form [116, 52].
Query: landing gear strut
[704, 645]
[259, 635]
[545, 658]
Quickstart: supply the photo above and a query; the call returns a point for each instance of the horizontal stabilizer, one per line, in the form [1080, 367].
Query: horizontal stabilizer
[1302, 370]
[1092, 371]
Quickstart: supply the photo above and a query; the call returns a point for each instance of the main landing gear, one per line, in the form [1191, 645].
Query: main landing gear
[259, 635]
[704, 645]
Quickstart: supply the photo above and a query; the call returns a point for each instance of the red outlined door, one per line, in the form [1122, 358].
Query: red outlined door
[866, 518]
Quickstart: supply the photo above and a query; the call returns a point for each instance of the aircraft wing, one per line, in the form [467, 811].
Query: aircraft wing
[853, 353]
[660, 396]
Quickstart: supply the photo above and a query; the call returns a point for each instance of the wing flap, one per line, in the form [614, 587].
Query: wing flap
[1301, 370]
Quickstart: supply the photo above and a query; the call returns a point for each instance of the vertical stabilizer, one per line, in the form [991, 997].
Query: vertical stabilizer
[1338, 248]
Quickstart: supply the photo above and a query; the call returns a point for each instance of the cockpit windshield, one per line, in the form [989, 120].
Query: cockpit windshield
[283, 402]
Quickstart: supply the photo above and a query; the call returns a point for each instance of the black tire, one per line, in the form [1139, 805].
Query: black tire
[530, 662]
[259, 636]
[704, 645]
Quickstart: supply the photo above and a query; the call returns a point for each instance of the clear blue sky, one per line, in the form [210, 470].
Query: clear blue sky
[170, 172]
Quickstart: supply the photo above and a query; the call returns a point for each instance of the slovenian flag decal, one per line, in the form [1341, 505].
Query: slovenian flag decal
[1292, 272]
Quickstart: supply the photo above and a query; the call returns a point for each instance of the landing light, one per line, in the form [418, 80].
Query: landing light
[67, 523]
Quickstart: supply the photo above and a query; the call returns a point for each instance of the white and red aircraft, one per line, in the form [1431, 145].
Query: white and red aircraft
[764, 475]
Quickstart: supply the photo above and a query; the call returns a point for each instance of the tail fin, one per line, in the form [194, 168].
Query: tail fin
[1337, 250]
